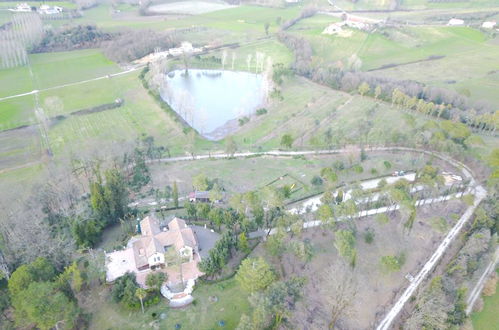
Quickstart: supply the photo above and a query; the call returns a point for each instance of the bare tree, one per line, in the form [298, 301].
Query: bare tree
[339, 288]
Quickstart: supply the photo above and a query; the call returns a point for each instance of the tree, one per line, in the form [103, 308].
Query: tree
[175, 194]
[215, 193]
[275, 243]
[41, 304]
[344, 242]
[254, 274]
[191, 209]
[155, 280]
[141, 294]
[329, 175]
[325, 214]
[200, 182]
[242, 242]
[123, 290]
[377, 92]
[266, 27]
[230, 146]
[431, 309]
[340, 290]
[39, 270]
[287, 141]
[364, 88]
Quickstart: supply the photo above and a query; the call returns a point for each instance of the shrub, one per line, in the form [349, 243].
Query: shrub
[243, 120]
[261, 111]
[369, 236]
[392, 263]
[316, 180]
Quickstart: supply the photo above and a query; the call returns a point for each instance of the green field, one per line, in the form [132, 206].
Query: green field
[203, 314]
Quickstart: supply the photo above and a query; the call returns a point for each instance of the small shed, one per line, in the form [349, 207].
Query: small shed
[455, 22]
[488, 25]
[199, 196]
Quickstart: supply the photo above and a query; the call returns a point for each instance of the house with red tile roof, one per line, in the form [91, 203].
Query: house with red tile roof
[172, 249]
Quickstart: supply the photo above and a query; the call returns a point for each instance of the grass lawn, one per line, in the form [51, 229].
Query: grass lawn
[53, 69]
[15, 81]
[488, 317]
[139, 116]
[17, 112]
[203, 314]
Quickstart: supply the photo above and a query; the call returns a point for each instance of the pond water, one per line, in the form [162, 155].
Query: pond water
[212, 100]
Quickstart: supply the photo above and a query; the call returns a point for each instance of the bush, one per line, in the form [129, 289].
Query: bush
[243, 120]
[392, 263]
[358, 169]
[316, 180]
[261, 111]
[369, 236]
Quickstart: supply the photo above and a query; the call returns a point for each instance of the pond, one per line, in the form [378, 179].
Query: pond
[211, 101]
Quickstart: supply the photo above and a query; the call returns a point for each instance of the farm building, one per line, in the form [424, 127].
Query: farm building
[21, 8]
[199, 196]
[455, 22]
[488, 25]
[185, 48]
[47, 10]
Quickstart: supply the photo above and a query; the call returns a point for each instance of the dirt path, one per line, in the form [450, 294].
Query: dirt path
[36, 91]
[477, 290]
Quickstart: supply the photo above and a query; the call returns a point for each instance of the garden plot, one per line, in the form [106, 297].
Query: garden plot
[189, 7]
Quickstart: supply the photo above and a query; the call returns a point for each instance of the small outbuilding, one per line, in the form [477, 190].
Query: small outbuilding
[455, 22]
[489, 25]
[199, 196]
